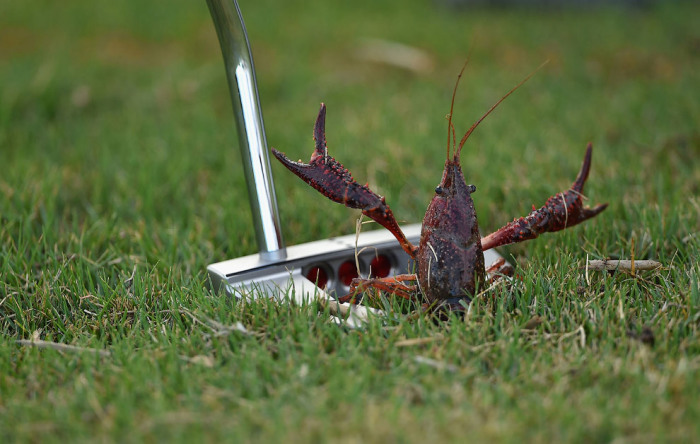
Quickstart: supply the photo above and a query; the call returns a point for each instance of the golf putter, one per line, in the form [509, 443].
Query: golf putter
[300, 272]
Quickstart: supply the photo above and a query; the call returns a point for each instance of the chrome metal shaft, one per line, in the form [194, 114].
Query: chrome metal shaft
[251, 132]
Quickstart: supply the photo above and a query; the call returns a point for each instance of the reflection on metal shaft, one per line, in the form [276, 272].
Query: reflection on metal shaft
[251, 133]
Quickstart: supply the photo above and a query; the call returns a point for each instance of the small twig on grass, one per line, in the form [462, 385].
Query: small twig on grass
[622, 265]
[216, 327]
[435, 364]
[60, 347]
[203, 360]
[417, 341]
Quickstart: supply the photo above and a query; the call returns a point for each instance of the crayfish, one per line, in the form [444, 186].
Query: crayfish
[449, 257]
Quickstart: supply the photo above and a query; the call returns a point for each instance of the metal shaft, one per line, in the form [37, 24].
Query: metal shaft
[251, 132]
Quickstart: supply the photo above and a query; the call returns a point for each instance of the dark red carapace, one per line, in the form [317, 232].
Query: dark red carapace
[450, 254]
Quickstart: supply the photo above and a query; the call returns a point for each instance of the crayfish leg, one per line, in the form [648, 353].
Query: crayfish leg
[395, 285]
[500, 268]
[561, 211]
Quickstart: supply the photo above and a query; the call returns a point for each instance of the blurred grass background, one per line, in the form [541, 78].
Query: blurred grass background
[121, 181]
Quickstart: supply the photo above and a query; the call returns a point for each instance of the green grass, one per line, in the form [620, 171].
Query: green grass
[120, 182]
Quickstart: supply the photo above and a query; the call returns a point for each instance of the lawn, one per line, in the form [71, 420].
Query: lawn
[121, 182]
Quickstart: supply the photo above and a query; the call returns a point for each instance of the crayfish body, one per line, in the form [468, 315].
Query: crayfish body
[449, 257]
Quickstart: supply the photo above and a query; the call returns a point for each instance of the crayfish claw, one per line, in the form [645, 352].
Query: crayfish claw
[320, 134]
[592, 212]
[333, 180]
[585, 169]
[561, 211]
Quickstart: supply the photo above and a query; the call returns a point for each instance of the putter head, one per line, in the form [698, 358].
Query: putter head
[323, 267]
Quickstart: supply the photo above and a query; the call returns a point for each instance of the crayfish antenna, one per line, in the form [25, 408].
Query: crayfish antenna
[450, 126]
[473, 127]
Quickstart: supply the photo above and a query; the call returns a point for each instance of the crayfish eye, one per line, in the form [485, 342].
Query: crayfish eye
[472, 189]
[439, 190]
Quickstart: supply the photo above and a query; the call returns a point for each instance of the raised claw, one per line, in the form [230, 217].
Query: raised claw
[561, 211]
[334, 181]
